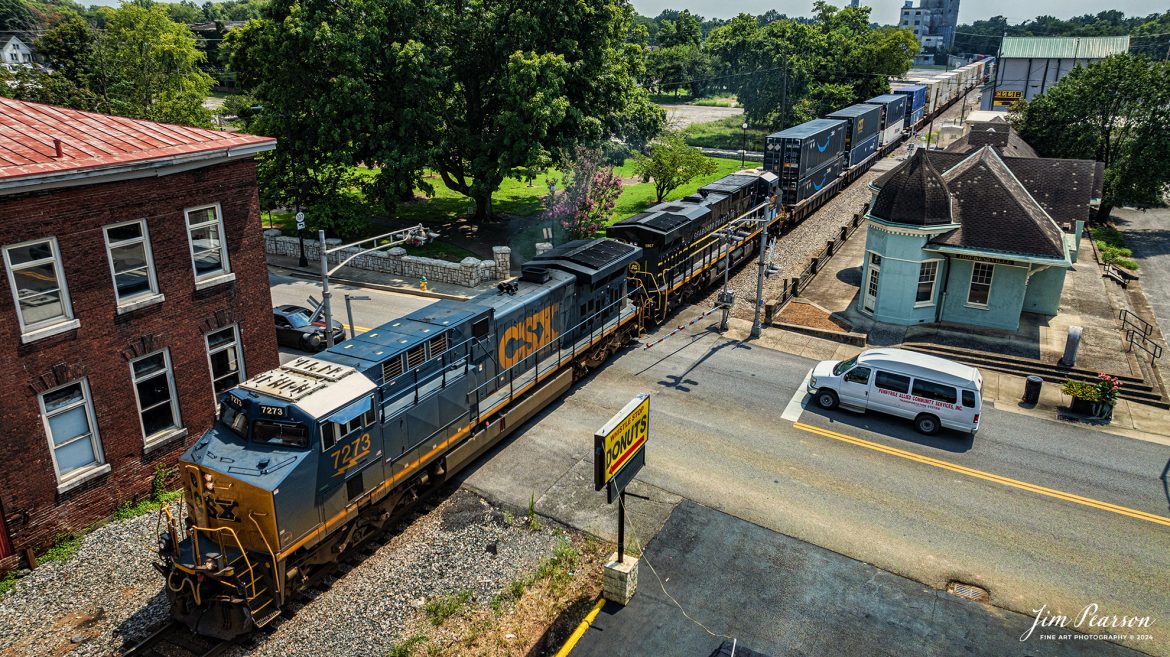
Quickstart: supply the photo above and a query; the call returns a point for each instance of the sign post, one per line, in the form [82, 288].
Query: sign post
[619, 450]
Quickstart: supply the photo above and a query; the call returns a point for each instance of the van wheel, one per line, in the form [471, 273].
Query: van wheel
[927, 424]
[827, 399]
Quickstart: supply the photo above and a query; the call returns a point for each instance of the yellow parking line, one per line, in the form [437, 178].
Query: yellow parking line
[359, 329]
[980, 474]
[580, 631]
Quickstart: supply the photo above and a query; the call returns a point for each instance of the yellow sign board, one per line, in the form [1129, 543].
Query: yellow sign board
[616, 443]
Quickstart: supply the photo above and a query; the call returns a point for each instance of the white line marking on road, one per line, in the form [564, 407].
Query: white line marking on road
[796, 405]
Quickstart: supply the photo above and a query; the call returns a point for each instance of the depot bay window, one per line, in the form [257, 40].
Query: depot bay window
[131, 263]
[73, 438]
[209, 254]
[38, 288]
[154, 386]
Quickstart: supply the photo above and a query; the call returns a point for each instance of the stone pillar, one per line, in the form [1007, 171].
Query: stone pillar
[503, 257]
[621, 579]
[543, 247]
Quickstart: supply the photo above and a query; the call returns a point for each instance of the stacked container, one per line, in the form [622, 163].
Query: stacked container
[862, 125]
[806, 157]
[893, 116]
[917, 100]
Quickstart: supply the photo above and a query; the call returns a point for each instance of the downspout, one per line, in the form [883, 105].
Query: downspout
[942, 298]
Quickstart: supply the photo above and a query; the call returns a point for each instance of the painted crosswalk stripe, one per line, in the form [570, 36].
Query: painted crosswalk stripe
[796, 405]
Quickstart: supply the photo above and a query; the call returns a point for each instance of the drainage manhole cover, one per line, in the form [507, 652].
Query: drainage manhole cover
[968, 591]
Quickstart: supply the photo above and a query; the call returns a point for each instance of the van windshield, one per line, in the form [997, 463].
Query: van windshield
[844, 366]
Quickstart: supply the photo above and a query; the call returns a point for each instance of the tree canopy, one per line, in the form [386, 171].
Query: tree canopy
[672, 164]
[1116, 111]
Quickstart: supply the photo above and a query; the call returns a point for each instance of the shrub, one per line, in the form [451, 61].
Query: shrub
[1104, 390]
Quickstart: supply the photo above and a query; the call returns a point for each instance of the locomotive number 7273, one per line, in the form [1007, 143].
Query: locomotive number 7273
[350, 453]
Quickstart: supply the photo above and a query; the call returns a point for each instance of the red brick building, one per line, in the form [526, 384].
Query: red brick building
[135, 288]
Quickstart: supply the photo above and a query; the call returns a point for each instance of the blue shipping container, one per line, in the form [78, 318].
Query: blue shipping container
[917, 94]
[862, 122]
[913, 118]
[863, 150]
[894, 109]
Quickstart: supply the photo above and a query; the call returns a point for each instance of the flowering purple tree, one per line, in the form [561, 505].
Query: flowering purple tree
[590, 194]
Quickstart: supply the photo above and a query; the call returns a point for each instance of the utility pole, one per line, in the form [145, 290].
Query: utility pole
[349, 311]
[416, 234]
[726, 296]
[763, 221]
[743, 144]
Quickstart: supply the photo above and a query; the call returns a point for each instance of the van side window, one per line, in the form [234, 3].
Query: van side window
[892, 382]
[858, 375]
[935, 391]
[969, 399]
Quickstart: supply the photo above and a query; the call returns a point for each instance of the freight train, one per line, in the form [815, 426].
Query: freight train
[310, 459]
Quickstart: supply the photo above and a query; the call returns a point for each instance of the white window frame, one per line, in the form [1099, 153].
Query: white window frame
[971, 283]
[164, 434]
[933, 286]
[84, 473]
[142, 298]
[239, 354]
[225, 270]
[44, 328]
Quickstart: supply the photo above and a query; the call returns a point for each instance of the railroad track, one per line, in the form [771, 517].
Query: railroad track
[175, 640]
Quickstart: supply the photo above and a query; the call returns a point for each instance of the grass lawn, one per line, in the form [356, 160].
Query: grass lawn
[638, 197]
[725, 133]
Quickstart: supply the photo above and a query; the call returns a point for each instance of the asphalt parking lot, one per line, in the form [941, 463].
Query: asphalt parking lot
[786, 598]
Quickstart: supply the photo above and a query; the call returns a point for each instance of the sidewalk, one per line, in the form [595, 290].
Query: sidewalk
[380, 281]
[1002, 390]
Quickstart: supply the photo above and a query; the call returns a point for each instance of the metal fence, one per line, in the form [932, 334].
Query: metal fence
[794, 286]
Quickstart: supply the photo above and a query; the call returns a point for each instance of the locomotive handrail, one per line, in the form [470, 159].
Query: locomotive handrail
[267, 546]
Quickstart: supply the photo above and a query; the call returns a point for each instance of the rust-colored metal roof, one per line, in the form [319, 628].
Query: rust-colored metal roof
[91, 141]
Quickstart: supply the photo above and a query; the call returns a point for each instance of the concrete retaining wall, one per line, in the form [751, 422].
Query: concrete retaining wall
[469, 272]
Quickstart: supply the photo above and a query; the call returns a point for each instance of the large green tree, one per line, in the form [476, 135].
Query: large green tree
[788, 71]
[523, 80]
[146, 67]
[1116, 111]
[340, 84]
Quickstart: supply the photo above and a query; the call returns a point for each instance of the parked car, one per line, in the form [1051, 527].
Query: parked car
[933, 392]
[295, 328]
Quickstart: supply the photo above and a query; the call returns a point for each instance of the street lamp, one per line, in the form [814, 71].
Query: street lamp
[743, 150]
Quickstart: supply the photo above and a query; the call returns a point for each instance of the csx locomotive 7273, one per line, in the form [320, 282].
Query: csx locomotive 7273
[313, 457]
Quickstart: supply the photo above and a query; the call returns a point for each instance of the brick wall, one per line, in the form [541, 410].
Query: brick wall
[100, 349]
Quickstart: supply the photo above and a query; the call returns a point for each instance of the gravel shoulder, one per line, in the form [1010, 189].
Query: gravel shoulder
[108, 596]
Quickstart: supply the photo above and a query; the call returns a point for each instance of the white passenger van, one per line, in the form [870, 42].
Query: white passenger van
[933, 392]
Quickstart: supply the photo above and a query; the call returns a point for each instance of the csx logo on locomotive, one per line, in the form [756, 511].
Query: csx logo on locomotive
[522, 339]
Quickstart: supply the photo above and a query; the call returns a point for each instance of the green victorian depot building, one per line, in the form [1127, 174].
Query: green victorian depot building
[975, 235]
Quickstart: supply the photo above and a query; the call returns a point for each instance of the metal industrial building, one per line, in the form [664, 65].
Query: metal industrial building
[1030, 65]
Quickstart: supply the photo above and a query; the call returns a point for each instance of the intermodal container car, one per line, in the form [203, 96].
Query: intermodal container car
[863, 122]
[799, 151]
[893, 116]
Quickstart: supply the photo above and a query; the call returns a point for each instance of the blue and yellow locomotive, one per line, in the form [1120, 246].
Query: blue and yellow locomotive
[311, 458]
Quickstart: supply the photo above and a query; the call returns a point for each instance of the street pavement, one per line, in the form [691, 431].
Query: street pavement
[1039, 513]
[786, 598]
[718, 439]
[380, 308]
[1147, 234]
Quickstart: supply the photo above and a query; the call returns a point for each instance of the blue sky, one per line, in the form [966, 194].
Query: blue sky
[886, 11]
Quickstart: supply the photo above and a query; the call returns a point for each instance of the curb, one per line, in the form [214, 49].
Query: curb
[580, 631]
[855, 339]
[301, 273]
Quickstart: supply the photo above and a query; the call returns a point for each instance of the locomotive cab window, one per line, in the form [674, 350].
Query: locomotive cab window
[280, 433]
[348, 420]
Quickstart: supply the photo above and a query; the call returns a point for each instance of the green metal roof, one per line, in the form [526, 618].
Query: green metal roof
[1063, 47]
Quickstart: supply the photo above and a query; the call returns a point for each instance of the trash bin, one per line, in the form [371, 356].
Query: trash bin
[1032, 389]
